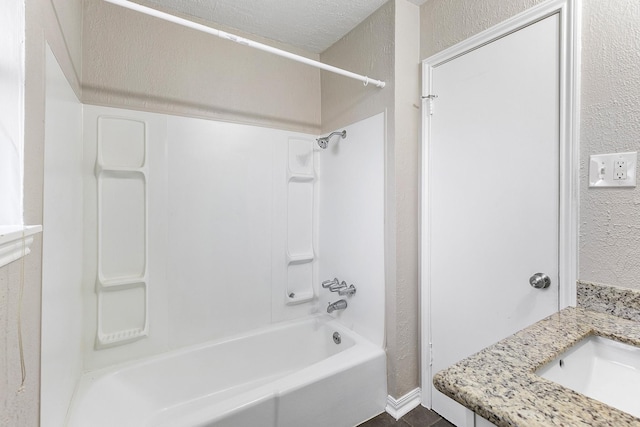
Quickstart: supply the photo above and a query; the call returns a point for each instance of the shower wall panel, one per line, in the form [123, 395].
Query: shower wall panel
[62, 292]
[194, 230]
[220, 201]
[351, 233]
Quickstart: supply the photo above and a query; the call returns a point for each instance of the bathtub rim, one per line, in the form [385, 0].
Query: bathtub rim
[174, 352]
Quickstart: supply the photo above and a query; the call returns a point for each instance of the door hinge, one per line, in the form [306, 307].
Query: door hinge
[430, 354]
[430, 99]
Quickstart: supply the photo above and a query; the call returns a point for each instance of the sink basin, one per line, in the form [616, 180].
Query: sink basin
[602, 369]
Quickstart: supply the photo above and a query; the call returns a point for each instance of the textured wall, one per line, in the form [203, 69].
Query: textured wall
[447, 22]
[368, 50]
[138, 62]
[63, 23]
[403, 324]
[385, 46]
[19, 402]
[610, 122]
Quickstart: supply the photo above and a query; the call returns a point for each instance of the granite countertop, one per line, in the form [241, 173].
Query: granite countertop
[499, 382]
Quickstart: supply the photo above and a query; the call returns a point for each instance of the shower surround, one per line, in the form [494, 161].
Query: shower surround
[196, 231]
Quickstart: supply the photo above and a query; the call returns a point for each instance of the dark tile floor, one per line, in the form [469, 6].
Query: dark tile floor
[419, 417]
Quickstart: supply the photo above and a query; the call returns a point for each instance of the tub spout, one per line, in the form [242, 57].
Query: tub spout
[338, 305]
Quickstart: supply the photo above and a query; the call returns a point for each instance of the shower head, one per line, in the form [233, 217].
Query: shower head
[324, 142]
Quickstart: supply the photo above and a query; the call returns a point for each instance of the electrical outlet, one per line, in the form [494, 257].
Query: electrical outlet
[619, 169]
[613, 170]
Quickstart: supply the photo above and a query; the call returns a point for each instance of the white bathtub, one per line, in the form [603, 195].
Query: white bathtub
[289, 375]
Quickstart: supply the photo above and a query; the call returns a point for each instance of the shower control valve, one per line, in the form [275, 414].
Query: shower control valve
[336, 287]
[351, 290]
[329, 283]
[341, 288]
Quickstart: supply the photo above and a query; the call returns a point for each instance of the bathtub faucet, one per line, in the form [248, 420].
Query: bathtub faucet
[338, 305]
[341, 288]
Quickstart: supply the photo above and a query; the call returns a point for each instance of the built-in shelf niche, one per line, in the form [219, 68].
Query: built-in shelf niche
[122, 282]
[301, 201]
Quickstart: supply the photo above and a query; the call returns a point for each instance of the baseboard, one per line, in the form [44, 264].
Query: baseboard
[397, 408]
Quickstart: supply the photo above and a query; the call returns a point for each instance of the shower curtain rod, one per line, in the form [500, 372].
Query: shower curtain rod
[222, 34]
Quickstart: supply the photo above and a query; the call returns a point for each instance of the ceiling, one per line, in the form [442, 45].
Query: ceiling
[312, 25]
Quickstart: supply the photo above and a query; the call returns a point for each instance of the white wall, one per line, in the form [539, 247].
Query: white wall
[351, 224]
[11, 110]
[62, 320]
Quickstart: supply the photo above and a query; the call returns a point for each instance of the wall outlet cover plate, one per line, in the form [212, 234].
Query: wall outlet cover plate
[613, 170]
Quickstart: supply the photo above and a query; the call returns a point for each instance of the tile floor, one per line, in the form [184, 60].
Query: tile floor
[419, 417]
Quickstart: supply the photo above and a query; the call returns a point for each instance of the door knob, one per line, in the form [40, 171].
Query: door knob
[540, 281]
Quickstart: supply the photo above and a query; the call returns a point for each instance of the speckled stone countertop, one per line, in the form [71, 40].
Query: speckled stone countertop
[499, 382]
[621, 302]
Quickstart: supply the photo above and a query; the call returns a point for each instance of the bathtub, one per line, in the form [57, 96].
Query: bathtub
[291, 374]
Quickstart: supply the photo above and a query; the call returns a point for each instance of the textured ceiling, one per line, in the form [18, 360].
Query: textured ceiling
[312, 25]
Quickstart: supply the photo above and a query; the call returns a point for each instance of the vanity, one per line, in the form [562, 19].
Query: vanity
[517, 381]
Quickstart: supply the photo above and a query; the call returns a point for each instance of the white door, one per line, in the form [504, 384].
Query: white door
[493, 195]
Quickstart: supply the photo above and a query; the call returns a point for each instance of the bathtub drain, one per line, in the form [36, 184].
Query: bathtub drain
[337, 338]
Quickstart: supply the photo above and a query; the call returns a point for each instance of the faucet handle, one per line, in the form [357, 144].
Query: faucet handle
[351, 290]
[329, 283]
[336, 287]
